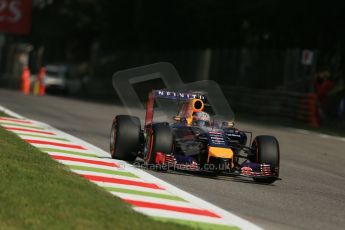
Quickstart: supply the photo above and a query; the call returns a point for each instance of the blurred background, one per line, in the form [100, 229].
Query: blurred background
[278, 61]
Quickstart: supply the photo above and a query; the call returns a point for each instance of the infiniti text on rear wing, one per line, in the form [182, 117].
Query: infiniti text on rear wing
[177, 95]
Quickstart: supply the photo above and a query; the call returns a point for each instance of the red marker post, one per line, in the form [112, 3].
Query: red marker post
[25, 84]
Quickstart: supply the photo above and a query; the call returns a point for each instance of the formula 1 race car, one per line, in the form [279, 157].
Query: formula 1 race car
[193, 140]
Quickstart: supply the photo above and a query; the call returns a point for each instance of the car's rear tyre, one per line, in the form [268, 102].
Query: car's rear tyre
[125, 137]
[160, 140]
[266, 152]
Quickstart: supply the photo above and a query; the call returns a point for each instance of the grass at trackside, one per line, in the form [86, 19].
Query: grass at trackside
[38, 193]
[2, 114]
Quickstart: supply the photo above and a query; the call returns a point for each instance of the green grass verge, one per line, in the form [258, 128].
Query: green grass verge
[38, 193]
[2, 114]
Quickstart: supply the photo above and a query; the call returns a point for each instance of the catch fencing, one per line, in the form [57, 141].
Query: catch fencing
[301, 107]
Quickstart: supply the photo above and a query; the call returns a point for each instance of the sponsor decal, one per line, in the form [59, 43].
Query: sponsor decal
[15, 16]
[177, 95]
[246, 170]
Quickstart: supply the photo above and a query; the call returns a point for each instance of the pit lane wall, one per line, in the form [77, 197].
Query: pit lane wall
[301, 107]
[146, 193]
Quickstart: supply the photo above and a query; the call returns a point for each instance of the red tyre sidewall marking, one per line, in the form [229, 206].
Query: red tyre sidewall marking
[148, 157]
[257, 151]
[114, 137]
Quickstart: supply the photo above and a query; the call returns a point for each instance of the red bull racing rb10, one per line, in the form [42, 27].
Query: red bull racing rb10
[193, 140]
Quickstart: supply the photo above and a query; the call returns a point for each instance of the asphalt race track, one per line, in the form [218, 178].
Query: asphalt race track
[310, 196]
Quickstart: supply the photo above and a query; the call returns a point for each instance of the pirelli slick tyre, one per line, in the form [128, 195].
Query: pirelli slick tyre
[160, 140]
[266, 151]
[125, 137]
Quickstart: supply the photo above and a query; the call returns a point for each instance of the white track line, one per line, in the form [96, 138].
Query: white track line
[308, 132]
[11, 113]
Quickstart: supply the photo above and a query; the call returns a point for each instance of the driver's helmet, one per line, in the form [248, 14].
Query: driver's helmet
[201, 119]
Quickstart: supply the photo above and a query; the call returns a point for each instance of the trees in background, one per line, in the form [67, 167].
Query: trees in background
[69, 27]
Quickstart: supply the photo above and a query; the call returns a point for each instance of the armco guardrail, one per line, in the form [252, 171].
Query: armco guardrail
[291, 105]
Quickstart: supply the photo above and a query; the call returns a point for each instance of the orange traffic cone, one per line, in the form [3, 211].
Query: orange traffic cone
[25, 84]
[42, 86]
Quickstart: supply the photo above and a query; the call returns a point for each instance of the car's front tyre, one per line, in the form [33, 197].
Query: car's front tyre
[125, 137]
[266, 152]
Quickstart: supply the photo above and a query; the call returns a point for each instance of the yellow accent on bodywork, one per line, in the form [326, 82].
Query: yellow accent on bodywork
[188, 109]
[192, 105]
[189, 120]
[220, 153]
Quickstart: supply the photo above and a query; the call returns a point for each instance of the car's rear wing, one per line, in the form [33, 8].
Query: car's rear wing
[178, 95]
[170, 95]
